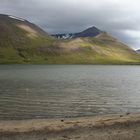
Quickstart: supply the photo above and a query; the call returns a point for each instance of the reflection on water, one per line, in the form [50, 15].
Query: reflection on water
[53, 91]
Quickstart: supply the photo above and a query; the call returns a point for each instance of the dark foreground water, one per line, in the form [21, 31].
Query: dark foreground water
[53, 91]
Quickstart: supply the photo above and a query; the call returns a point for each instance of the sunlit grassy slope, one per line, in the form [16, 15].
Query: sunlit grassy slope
[24, 43]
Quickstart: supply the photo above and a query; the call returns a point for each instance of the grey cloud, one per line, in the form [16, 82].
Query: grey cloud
[64, 16]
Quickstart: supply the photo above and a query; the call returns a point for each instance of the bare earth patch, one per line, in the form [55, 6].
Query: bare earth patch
[72, 45]
[31, 32]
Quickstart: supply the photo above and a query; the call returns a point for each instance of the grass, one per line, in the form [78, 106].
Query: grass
[17, 47]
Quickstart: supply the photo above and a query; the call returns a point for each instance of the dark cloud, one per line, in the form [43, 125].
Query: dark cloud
[119, 18]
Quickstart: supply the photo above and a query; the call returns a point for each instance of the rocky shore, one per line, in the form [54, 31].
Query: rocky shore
[108, 127]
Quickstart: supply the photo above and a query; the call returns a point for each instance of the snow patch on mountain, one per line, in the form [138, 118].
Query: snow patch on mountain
[17, 18]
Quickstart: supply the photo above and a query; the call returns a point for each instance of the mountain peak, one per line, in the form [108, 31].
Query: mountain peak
[89, 32]
[92, 28]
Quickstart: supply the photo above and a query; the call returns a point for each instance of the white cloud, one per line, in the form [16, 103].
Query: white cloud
[132, 33]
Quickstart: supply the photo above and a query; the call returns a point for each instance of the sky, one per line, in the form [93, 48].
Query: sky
[120, 18]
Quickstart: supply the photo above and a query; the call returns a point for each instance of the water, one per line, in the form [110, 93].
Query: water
[57, 91]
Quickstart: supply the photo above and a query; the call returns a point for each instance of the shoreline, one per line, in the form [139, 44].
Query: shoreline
[106, 127]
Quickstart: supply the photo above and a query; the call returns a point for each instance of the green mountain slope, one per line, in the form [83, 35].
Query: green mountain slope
[23, 42]
[20, 39]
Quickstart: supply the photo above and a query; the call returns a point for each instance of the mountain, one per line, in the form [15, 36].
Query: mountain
[90, 32]
[20, 40]
[102, 49]
[23, 42]
[138, 51]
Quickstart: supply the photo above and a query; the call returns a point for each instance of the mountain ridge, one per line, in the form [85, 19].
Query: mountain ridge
[23, 42]
[89, 32]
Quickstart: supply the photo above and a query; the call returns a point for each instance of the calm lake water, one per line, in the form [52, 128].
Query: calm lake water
[57, 91]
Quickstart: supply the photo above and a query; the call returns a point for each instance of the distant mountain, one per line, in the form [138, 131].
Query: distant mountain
[90, 32]
[25, 43]
[138, 51]
[63, 36]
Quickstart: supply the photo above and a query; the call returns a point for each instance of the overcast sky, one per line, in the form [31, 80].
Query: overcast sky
[120, 18]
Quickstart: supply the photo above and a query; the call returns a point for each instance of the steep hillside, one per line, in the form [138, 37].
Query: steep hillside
[25, 43]
[20, 39]
[102, 49]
